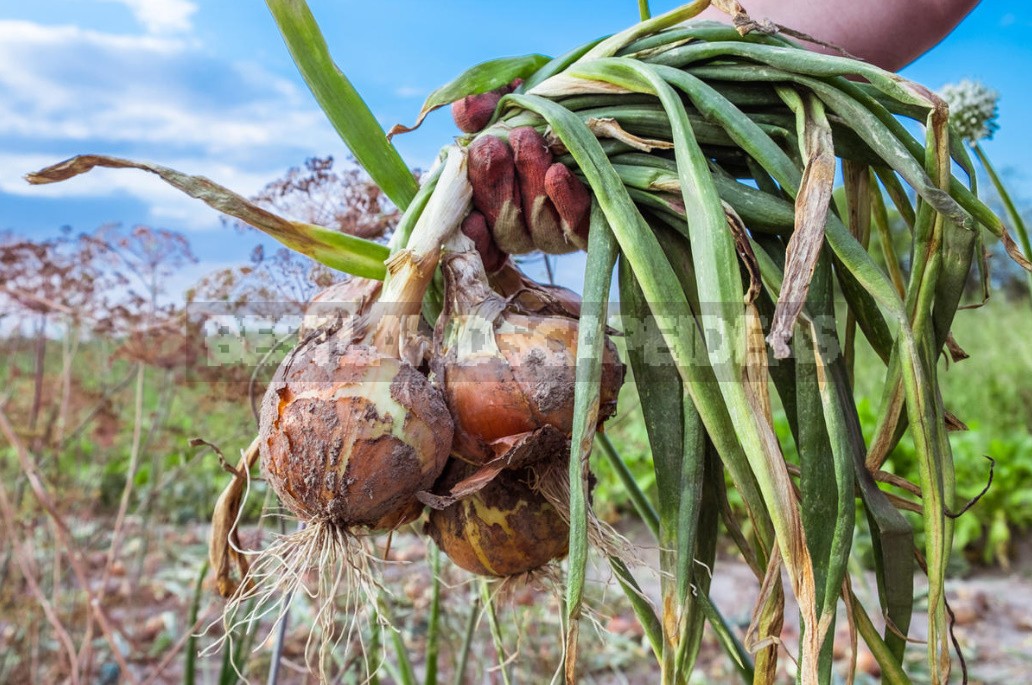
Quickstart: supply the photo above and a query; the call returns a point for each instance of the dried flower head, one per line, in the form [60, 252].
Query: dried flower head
[973, 109]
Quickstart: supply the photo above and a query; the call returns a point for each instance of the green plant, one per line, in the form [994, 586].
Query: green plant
[986, 529]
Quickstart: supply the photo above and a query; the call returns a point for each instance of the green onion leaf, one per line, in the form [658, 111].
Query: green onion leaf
[341, 103]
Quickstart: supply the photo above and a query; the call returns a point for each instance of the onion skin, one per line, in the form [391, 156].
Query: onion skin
[533, 297]
[531, 383]
[505, 373]
[341, 303]
[503, 530]
[349, 435]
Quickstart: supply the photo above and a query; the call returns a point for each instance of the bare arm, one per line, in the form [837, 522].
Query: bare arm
[888, 33]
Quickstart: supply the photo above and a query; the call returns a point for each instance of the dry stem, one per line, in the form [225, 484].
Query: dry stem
[65, 539]
[22, 558]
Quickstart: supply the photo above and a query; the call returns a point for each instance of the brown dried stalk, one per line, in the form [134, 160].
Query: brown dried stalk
[22, 559]
[224, 541]
[66, 540]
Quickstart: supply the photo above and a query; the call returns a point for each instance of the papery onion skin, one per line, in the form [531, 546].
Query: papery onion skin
[503, 530]
[339, 306]
[349, 435]
[530, 385]
[505, 373]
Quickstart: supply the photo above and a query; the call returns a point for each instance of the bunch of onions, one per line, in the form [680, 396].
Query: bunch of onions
[507, 366]
[712, 157]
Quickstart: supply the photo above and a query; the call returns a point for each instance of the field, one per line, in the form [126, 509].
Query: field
[107, 432]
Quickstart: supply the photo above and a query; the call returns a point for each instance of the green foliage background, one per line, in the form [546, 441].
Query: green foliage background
[991, 392]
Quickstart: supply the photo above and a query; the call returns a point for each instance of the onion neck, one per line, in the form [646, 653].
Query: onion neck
[529, 295]
[410, 271]
[508, 280]
[467, 290]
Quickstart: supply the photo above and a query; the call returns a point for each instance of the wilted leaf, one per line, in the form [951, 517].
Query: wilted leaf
[812, 203]
[336, 250]
[475, 80]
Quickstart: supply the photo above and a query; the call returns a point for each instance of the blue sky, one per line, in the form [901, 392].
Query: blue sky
[207, 87]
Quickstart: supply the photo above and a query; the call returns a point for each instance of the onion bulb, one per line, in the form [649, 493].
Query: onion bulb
[349, 435]
[506, 371]
[351, 429]
[504, 529]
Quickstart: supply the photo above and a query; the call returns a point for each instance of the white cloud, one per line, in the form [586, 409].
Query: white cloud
[18, 34]
[408, 92]
[162, 16]
[65, 83]
[155, 98]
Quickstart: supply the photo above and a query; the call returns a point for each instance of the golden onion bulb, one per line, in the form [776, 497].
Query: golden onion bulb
[349, 435]
[504, 529]
[503, 372]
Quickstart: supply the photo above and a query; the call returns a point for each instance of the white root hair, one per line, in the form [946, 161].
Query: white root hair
[324, 562]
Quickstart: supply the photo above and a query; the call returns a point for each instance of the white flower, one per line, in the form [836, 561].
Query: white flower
[973, 109]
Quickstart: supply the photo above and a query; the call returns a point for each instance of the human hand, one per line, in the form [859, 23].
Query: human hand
[523, 200]
[889, 34]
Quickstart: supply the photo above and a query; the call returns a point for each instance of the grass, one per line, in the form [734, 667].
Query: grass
[990, 391]
[176, 484]
[91, 462]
